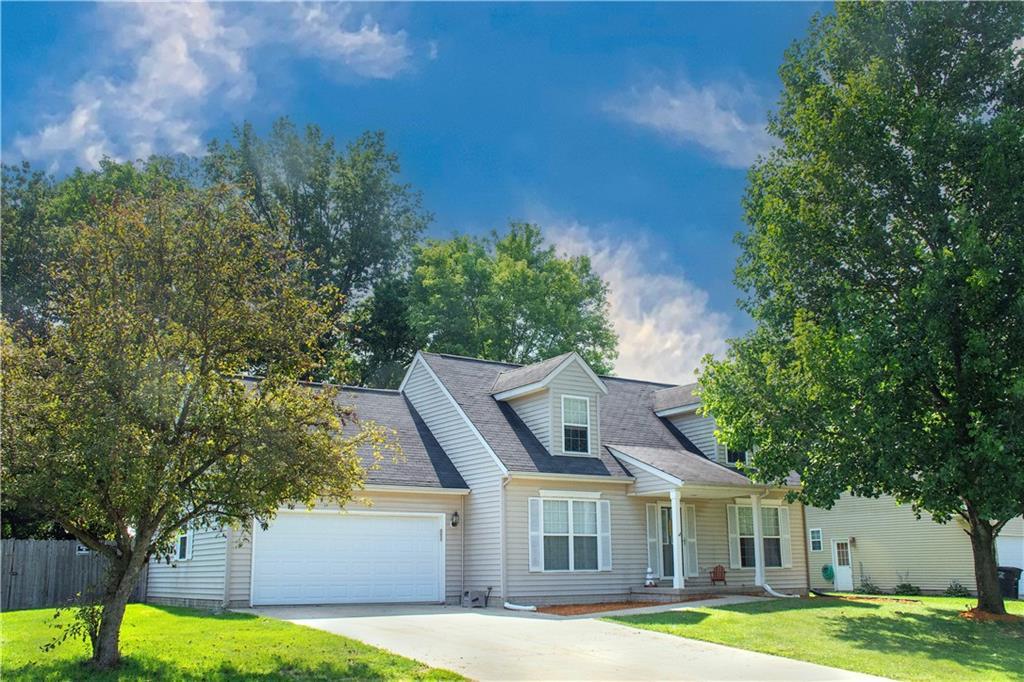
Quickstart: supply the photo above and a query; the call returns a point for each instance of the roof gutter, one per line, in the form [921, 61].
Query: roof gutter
[681, 409]
[539, 475]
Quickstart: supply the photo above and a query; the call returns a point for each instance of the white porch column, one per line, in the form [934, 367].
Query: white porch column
[678, 581]
[755, 503]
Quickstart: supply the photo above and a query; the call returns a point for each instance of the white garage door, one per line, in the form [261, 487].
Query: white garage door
[331, 558]
[1010, 552]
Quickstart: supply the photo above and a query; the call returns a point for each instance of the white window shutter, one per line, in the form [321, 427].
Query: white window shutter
[653, 540]
[690, 545]
[190, 534]
[734, 538]
[787, 555]
[604, 535]
[536, 536]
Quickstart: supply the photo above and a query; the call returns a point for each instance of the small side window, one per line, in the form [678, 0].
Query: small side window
[816, 543]
[183, 546]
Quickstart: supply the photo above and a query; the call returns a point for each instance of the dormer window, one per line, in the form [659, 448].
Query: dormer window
[736, 456]
[575, 425]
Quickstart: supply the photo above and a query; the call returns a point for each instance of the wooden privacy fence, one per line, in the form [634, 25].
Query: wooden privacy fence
[39, 573]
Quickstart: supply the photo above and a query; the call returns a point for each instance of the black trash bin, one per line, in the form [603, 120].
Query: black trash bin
[1009, 579]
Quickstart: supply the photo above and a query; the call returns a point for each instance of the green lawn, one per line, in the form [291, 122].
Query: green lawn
[185, 644]
[925, 640]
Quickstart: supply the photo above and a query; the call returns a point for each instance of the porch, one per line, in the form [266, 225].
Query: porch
[702, 515]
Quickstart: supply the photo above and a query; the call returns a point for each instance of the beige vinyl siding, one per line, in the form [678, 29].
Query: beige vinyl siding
[573, 381]
[646, 483]
[199, 580]
[240, 566]
[241, 560]
[1014, 527]
[628, 540]
[482, 517]
[713, 546]
[535, 411]
[700, 430]
[889, 540]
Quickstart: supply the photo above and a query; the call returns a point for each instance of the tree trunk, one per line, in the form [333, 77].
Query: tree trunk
[990, 598]
[106, 651]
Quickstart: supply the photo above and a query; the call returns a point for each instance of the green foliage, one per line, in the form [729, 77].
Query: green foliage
[84, 624]
[868, 587]
[882, 266]
[509, 298]
[956, 589]
[127, 420]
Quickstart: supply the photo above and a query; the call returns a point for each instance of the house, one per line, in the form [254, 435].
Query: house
[884, 543]
[543, 483]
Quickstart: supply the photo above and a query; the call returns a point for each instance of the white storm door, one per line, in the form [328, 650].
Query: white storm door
[842, 563]
[365, 557]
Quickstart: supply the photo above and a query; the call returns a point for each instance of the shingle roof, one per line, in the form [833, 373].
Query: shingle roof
[516, 377]
[423, 463]
[627, 416]
[469, 381]
[686, 466]
[675, 396]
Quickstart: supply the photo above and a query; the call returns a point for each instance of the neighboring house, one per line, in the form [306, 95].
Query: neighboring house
[541, 483]
[884, 543]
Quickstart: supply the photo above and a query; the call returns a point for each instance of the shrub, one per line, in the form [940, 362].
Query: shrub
[868, 587]
[907, 589]
[956, 589]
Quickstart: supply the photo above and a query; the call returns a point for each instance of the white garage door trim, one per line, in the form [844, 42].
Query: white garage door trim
[442, 525]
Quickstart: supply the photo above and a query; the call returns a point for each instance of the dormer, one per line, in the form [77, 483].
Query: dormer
[679, 405]
[559, 400]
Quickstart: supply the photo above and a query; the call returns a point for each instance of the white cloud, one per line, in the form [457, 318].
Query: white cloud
[168, 67]
[726, 120]
[663, 320]
[319, 30]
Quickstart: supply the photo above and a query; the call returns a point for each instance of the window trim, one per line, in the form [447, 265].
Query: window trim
[811, 540]
[575, 453]
[570, 535]
[764, 536]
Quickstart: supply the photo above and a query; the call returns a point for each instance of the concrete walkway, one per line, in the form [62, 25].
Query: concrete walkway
[495, 644]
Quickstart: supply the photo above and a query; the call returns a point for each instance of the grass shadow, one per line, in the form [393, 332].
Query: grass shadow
[938, 634]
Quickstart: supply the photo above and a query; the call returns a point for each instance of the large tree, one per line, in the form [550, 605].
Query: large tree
[127, 421]
[884, 268]
[345, 209]
[509, 297]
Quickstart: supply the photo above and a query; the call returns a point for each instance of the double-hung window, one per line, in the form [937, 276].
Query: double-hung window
[816, 543]
[771, 533]
[575, 425]
[570, 534]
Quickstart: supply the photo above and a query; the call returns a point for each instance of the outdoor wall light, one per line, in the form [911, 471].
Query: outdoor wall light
[455, 519]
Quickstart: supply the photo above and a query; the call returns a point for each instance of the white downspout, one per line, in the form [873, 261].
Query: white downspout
[678, 582]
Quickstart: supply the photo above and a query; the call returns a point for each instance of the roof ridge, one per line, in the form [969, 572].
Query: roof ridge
[640, 381]
[454, 356]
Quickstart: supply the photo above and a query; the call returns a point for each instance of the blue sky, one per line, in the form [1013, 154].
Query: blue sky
[624, 129]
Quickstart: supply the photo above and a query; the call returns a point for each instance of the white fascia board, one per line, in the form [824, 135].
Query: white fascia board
[644, 466]
[682, 409]
[415, 489]
[462, 414]
[543, 383]
[408, 372]
[539, 475]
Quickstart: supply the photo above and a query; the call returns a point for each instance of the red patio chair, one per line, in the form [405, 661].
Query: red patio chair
[718, 575]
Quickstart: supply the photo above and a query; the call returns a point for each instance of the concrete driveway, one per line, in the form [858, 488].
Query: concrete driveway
[494, 644]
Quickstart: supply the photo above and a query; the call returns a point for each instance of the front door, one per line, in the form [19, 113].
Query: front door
[666, 542]
[843, 563]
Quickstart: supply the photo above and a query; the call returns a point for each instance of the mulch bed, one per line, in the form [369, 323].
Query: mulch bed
[582, 609]
[880, 600]
[985, 617]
